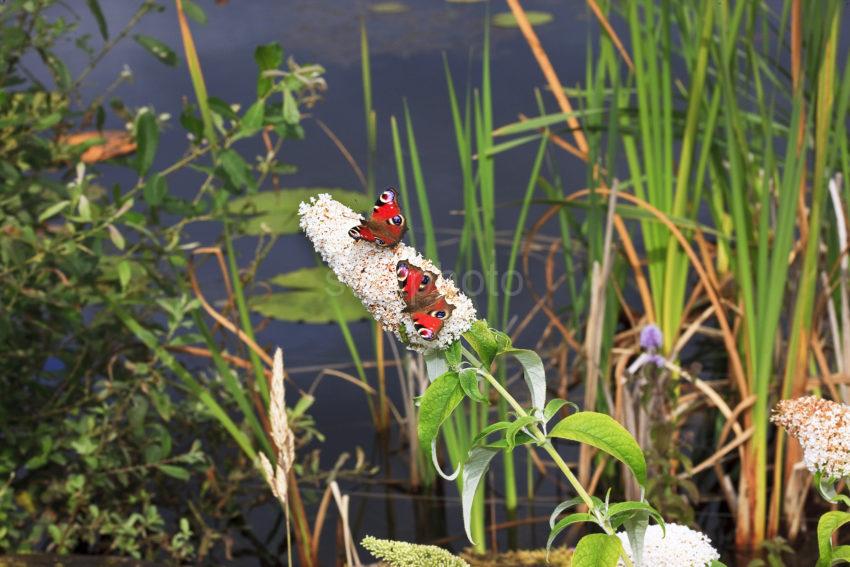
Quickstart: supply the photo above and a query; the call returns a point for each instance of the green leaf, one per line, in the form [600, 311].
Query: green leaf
[564, 523]
[516, 427]
[252, 121]
[454, 355]
[439, 401]
[492, 428]
[476, 465]
[828, 523]
[562, 507]
[268, 57]
[483, 341]
[195, 12]
[553, 407]
[175, 472]
[155, 190]
[533, 372]
[291, 115]
[597, 550]
[94, 8]
[622, 511]
[124, 273]
[307, 298]
[53, 210]
[277, 211]
[147, 140]
[235, 171]
[435, 363]
[604, 433]
[116, 237]
[826, 487]
[469, 383]
[158, 49]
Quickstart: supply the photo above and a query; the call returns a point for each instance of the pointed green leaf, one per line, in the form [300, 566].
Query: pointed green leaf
[474, 468]
[158, 49]
[94, 8]
[604, 433]
[469, 383]
[564, 523]
[147, 141]
[597, 550]
[439, 401]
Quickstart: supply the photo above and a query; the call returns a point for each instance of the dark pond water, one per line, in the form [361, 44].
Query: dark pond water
[406, 64]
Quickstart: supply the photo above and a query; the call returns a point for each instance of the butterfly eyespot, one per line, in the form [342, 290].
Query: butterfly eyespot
[354, 233]
[396, 220]
[401, 272]
[379, 242]
[387, 197]
[426, 334]
[426, 279]
[439, 314]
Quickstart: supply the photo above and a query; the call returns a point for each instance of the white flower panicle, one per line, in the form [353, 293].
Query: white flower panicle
[823, 429]
[680, 546]
[370, 272]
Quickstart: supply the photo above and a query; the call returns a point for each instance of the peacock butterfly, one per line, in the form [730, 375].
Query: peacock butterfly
[385, 225]
[427, 307]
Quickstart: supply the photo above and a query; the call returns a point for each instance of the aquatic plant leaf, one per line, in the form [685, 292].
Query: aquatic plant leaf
[195, 12]
[507, 19]
[474, 468]
[564, 523]
[604, 433]
[598, 550]
[389, 8]
[307, 298]
[277, 211]
[436, 405]
[157, 48]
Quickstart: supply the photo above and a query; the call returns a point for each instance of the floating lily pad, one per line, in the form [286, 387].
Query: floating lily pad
[277, 211]
[507, 19]
[389, 8]
[310, 296]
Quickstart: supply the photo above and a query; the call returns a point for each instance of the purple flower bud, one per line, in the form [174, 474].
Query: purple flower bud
[657, 360]
[651, 338]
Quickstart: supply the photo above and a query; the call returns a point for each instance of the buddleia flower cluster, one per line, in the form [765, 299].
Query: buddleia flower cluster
[403, 554]
[823, 429]
[673, 546]
[370, 272]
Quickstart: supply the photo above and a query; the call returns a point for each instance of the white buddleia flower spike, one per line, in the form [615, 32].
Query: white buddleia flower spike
[823, 429]
[679, 546]
[370, 272]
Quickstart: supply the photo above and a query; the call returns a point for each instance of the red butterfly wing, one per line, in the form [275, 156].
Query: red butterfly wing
[386, 225]
[429, 323]
[416, 284]
[427, 308]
